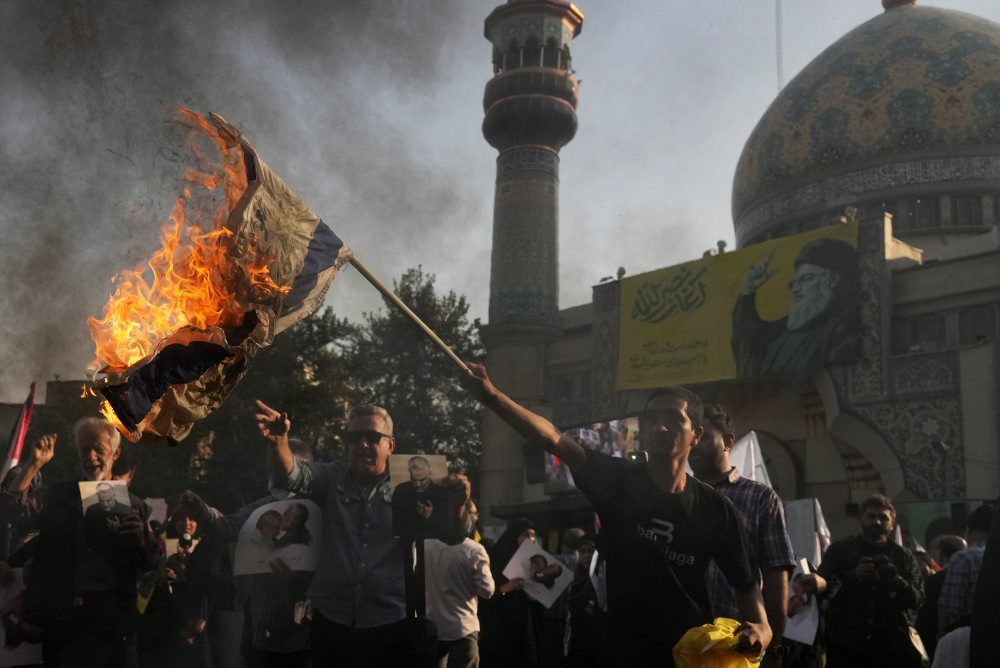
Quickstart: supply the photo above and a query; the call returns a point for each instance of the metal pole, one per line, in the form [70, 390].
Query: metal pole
[778, 51]
[391, 296]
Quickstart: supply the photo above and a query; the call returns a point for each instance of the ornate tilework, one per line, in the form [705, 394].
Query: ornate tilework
[912, 429]
[527, 160]
[912, 83]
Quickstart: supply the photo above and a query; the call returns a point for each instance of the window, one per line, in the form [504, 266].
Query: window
[923, 213]
[930, 332]
[966, 211]
[902, 336]
[978, 323]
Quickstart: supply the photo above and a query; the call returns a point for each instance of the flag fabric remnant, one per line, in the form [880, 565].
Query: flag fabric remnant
[193, 370]
[18, 433]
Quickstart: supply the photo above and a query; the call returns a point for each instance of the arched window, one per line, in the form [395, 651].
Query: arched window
[532, 52]
[553, 55]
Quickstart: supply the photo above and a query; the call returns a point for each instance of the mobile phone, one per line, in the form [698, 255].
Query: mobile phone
[638, 456]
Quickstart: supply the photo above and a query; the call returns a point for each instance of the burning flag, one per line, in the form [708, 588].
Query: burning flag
[15, 444]
[180, 330]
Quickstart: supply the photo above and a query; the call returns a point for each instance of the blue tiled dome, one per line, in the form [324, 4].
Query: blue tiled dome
[908, 98]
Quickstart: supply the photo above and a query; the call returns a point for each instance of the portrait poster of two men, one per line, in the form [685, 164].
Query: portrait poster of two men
[282, 535]
[782, 306]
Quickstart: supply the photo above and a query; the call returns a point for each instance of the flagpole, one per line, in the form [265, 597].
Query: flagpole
[391, 296]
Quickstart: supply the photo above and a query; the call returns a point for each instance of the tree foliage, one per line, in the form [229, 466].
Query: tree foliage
[304, 373]
[395, 365]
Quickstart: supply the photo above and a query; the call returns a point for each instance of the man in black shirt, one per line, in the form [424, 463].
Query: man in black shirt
[874, 589]
[660, 527]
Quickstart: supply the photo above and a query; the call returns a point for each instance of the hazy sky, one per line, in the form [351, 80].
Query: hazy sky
[371, 111]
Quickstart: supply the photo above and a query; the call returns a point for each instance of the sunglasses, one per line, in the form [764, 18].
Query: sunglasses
[367, 436]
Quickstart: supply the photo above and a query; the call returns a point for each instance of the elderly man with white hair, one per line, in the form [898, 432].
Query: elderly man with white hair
[82, 592]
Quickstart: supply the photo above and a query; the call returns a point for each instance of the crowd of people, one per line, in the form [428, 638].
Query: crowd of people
[401, 576]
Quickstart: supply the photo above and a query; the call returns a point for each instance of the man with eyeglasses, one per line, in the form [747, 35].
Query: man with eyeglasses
[358, 591]
[820, 326]
[660, 528]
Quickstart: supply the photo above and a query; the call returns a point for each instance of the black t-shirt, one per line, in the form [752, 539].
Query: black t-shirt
[657, 546]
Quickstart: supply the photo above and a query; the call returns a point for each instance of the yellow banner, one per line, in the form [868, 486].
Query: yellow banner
[782, 306]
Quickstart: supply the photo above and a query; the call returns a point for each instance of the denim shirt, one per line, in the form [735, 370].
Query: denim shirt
[359, 578]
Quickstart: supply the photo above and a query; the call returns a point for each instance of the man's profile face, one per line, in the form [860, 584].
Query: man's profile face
[421, 478]
[811, 290]
[291, 518]
[370, 460]
[876, 524]
[97, 455]
[708, 455]
[666, 429]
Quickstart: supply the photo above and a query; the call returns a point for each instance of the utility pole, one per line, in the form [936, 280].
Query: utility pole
[778, 56]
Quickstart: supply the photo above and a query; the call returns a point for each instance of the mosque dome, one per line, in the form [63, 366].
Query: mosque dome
[904, 106]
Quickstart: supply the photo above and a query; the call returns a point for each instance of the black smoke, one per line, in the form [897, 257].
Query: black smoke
[91, 154]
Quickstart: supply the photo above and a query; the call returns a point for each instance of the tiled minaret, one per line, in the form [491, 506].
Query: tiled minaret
[530, 106]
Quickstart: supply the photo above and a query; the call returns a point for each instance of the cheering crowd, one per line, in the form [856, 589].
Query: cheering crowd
[402, 578]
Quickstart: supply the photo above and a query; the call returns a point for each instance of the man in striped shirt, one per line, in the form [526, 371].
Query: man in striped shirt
[762, 518]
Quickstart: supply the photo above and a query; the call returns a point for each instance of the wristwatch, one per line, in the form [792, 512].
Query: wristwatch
[778, 651]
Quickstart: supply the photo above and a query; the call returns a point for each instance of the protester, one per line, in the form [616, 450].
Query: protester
[942, 547]
[763, 521]
[512, 622]
[358, 596]
[984, 636]
[82, 590]
[18, 526]
[457, 576]
[554, 633]
[660, 527]
[166, 628]
[275, 601]
[873, 587]
[955, 603]
[586, 618]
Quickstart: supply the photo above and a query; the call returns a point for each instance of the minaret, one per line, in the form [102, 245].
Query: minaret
[530, 106]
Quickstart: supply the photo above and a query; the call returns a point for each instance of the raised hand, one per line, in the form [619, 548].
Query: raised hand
[758, 275]
[478, 382]
[132, 528]
[273, 425]
[43, 450]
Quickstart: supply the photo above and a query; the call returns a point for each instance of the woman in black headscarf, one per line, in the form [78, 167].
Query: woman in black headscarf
[511, 622]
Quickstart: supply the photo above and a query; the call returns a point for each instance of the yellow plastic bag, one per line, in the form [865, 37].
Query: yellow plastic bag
[711, 646]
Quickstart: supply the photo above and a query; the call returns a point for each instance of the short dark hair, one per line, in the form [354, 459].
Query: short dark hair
[717, 417]
[949, 545]
[695, 410]
[980, 519]
[879, 502]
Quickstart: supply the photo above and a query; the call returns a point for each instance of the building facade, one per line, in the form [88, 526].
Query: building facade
[897, 124]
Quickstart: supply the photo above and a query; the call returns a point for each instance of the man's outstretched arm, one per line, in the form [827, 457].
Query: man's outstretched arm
[532, 426]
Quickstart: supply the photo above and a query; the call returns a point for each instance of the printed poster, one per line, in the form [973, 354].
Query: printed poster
[781, 306]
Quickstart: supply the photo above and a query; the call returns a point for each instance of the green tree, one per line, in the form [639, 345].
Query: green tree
[303, 373]
[395, 365]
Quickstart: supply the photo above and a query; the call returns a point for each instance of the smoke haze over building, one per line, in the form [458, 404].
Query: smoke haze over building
[370, 110]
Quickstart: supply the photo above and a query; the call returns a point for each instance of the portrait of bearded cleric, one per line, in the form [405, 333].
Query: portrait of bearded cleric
[820, 327]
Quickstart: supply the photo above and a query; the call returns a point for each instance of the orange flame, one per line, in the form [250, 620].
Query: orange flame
[193, 278]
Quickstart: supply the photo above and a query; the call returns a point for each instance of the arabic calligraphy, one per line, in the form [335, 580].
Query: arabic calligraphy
[685, 355]
[682, 292]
